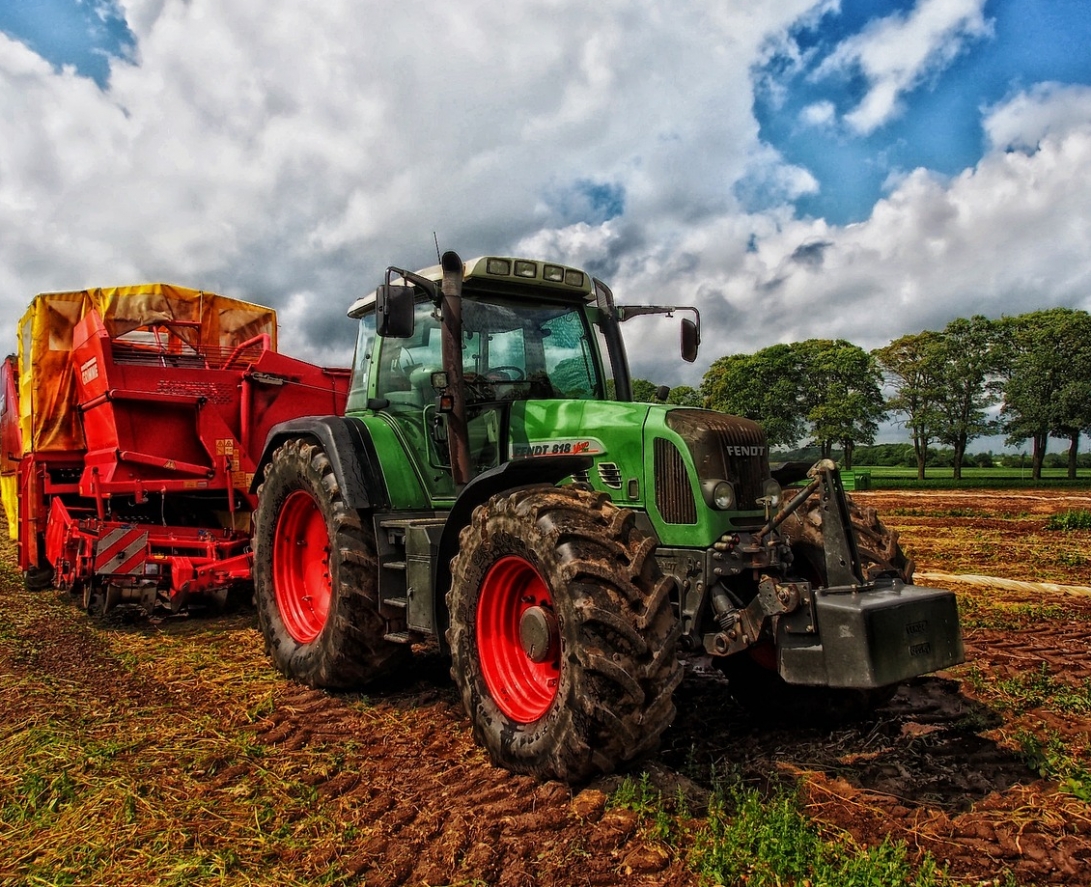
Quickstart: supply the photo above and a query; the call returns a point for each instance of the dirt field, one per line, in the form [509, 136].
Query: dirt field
[169, 752]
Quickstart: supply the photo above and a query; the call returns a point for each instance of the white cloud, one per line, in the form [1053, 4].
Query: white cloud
[281, 148]
[1046, 109]
[819, 114]
[897, 53]
[286, 154]
[1004, 237]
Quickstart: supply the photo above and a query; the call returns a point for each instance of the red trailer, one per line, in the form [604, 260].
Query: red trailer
[131, 423]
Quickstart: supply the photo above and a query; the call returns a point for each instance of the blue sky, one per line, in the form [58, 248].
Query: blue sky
[83, 33]
[939, 126]
[855, 169]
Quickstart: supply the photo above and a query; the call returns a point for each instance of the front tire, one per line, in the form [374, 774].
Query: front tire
[880, 553]
[315, 576]
[562, 633]
[753, 681]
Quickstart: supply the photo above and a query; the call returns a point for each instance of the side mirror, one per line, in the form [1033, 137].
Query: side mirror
[394, 316]
[691, 339]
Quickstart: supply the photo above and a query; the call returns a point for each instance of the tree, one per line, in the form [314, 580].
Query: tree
[1047, 362]
[644, 391]
[682, 395]
[967, 384]
[764, 386]
[841, 394]
[685, 396]
[913, 366]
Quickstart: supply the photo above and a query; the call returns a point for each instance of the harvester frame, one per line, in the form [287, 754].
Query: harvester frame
[131, 425]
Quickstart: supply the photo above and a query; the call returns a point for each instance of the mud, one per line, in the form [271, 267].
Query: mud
[943, 766]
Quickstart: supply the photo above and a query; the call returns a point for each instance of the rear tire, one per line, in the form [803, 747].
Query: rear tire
[562, 633]
[315, 576]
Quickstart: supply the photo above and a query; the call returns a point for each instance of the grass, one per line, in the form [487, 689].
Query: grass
[976, 611]
[1067, 521]
[121, 789]
[898, 478]
[767, 840]
[1052, 758]
[1039, 689]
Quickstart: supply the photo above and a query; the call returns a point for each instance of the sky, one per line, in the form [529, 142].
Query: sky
[856, 169]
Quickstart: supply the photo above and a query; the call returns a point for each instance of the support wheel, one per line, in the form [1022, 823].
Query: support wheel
[315, 576]
[38, 578]
[562, 633]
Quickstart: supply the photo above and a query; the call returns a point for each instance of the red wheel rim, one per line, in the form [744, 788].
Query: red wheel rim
[301, 567]
[522, 681]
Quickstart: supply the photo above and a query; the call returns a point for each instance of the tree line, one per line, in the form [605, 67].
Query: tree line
[1027, 376]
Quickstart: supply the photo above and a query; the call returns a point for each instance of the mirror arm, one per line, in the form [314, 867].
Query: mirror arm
[429, 286]
[626, 311]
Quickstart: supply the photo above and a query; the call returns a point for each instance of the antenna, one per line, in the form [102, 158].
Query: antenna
[436, 239]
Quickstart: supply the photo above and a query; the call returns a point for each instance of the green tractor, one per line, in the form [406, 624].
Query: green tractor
[493, 487]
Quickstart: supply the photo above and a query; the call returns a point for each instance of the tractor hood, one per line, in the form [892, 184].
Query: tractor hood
[661, 459]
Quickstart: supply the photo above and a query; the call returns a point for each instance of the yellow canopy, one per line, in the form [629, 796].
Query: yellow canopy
[47, 386]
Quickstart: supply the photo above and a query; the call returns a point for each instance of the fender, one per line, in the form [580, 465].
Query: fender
[350, 449]
[511, 475]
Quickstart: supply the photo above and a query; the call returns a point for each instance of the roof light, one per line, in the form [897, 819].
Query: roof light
[573, 277]
[554, 273]
[526, 269]
[498, 266]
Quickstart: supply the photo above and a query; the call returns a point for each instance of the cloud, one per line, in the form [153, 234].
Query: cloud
[819, 114]
[1047, 109]
[288, 154]
[1006, 236]
[897, 53]
[286, 151]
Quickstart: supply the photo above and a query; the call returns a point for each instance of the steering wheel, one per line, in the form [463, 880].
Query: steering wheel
[513, 373]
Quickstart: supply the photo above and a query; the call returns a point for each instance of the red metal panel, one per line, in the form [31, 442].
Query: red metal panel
[122, 550]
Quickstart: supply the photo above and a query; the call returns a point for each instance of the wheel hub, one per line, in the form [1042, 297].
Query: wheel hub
[538, 633]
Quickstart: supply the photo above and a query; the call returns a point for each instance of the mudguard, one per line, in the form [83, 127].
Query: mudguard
[348, 445]
[508, 476]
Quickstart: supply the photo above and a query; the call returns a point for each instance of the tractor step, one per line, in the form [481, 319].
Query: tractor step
[399, 602]
[398, 637]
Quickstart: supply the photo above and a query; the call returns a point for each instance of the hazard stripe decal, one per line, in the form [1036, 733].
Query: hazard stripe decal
[122, 550]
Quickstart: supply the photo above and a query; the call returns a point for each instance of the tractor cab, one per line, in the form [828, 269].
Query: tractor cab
[526, 331]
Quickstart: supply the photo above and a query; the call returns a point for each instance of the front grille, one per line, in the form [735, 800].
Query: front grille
[610, 475]
[673, 494]
[728, 448]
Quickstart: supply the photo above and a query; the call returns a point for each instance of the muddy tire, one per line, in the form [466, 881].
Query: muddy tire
[38, 578]
[315, 575]
[880, 553]
[562, 635]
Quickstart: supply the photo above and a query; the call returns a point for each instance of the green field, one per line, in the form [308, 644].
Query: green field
[897, 477]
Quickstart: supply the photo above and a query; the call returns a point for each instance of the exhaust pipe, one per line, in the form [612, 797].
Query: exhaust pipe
[457, 436]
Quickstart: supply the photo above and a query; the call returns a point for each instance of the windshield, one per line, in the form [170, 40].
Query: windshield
[511, 350]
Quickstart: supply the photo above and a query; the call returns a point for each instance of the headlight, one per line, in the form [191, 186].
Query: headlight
[720, 494]
[771, 490]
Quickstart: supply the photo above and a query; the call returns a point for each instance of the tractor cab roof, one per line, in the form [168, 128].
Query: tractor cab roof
[511, 276]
